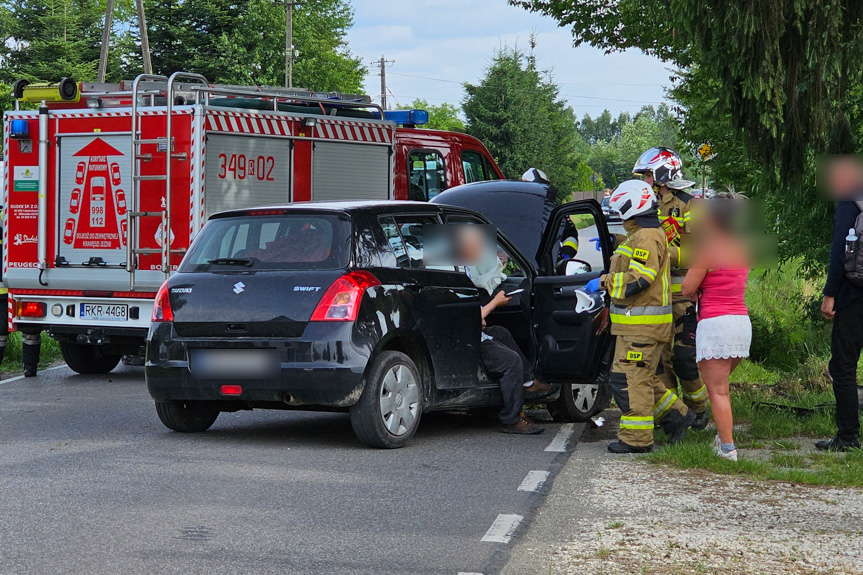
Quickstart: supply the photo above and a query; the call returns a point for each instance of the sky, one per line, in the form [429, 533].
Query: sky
[439, 44]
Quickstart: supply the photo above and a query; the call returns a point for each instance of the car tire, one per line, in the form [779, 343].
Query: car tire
[580, 401]
[389, 410]
[186, 416]
[88, 359]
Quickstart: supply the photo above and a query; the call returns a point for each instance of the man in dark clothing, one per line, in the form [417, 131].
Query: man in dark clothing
[843, 304]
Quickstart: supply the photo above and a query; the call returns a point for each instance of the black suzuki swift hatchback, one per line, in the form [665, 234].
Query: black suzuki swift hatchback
[330, 306]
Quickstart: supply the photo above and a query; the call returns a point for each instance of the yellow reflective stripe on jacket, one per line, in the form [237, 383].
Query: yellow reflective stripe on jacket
[625, 250]
[617, 286]
[622, 319]
[686, 216]
[665, 290]
[642, 269]
[4, 291]
[664, 404]
[636, 422]
[676, 284]
[644, 315]
[571, 242]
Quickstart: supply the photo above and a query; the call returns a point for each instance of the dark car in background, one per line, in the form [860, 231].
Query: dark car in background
[610, 214]
[329, 306]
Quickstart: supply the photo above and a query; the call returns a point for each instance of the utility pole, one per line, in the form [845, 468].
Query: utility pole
[145, 38]
[289, 44]
[106, 40]
[382, 64]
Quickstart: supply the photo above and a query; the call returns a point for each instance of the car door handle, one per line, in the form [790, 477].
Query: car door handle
[414, 286]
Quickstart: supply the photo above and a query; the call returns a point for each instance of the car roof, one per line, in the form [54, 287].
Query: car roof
[521, 210]
[373, 206]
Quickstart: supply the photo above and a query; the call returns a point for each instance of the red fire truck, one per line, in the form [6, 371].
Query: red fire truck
[98, 180]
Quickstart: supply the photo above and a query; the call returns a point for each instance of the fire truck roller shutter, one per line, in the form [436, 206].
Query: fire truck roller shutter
[343, 171]
[243, 172]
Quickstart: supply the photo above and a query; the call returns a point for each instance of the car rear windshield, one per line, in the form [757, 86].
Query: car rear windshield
[272, 242]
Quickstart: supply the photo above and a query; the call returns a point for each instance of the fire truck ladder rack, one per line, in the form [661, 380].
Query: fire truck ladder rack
[283, 96]
[163, 144]
[153, 86]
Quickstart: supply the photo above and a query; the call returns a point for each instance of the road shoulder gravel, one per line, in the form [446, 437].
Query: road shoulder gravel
[620, 514]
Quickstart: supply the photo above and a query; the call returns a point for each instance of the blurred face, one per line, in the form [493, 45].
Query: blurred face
[844, 177]
[471, 243]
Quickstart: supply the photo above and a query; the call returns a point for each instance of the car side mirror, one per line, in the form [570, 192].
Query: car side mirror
[576, 267]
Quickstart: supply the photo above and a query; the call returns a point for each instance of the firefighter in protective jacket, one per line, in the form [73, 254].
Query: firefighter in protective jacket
[641, 321]
[661, 169]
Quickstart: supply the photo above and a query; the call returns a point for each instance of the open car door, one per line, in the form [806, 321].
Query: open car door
[570, 345]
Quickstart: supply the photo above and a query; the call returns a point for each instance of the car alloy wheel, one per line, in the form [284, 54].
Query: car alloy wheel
[584, 396]
[399, 400]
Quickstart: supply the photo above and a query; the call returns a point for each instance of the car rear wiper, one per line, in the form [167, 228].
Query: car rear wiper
[231, 261]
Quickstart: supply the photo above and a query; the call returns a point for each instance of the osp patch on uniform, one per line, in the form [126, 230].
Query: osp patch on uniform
[633, 356]
[641, 254]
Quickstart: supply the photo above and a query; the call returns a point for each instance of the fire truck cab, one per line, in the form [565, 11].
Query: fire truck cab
[105, 187]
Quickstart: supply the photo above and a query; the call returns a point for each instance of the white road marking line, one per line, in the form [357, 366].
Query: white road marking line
[468, 573]
[533, 481]
[558, 444]
[502, 529]
[17, 377]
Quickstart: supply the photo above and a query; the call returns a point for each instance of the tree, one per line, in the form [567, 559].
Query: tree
[786, 75]
[50, 39]
[443, 117]
[617, 143]
[215, 38]
[521, 118]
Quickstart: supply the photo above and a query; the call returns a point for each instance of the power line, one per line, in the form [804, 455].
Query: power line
[567, 96]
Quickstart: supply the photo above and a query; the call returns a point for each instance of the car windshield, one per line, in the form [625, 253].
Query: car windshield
[272, 242]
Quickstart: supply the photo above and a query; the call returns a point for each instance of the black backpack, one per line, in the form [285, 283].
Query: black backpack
[854, 261]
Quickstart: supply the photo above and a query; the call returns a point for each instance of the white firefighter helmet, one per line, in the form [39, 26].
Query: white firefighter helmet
[632, 198]
[535, 175]
[664, 163]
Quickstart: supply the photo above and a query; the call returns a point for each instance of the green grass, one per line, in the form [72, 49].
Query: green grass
[775, 443]
[810, 468]
[49, 353]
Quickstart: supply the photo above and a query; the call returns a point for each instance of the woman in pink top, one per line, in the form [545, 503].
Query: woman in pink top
[717, 281]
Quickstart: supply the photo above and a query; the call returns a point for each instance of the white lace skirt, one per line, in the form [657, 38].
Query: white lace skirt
[723, 337]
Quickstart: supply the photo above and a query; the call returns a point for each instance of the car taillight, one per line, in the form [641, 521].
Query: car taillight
[32, 309]
[162, 306]
[230, 389]
[341, 302]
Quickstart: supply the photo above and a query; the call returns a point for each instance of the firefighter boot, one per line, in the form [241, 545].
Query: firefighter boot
[701, 420]
[621, 447]
[675, 424]
[30, 345]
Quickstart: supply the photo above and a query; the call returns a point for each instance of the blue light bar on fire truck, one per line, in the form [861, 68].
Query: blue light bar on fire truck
[407, 117]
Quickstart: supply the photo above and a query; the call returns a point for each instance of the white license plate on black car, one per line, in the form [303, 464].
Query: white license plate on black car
[234, 363]
[105, 312]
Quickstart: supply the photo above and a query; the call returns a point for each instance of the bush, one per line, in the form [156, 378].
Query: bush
[787, 328]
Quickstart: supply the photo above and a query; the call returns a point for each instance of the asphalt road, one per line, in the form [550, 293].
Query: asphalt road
[90, 482]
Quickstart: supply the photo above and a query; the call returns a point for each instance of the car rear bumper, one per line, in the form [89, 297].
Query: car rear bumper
[324, 367]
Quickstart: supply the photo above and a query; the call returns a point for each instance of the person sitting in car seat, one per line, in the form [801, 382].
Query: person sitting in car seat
[501, 355]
